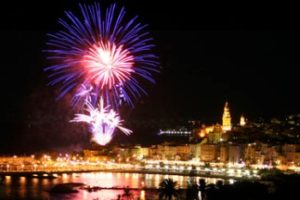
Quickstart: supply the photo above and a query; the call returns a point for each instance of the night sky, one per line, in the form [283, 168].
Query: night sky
[245, 54]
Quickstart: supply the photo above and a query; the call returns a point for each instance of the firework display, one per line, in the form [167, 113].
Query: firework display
[99, 58]
[102, 51]
[102, 122]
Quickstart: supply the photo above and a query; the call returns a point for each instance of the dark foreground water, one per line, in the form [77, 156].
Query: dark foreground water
[15, 188]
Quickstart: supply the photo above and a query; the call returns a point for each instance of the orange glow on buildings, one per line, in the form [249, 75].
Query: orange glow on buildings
[226, 119]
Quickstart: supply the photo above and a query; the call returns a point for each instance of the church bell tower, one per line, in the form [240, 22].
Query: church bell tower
[226, 119]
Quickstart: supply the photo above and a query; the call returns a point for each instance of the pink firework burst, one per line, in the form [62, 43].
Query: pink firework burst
[108, 65]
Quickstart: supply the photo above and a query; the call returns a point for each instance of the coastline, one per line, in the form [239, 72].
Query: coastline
[54, 174]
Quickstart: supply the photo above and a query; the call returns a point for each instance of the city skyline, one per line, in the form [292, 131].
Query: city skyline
[206, 58]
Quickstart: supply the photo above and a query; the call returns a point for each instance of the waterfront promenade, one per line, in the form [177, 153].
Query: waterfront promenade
[61, 172]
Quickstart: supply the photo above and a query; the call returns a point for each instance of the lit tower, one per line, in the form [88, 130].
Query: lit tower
[226, 119]
[242, 121]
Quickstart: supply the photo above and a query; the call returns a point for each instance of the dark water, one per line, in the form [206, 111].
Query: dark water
[36, 188]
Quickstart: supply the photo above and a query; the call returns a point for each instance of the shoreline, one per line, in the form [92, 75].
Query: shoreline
[54, 174]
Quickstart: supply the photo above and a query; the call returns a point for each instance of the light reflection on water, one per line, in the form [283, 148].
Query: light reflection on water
[36, 188]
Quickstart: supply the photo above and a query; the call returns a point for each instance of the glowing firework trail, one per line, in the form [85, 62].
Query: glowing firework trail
[101, 57]
[84, 93]
[102, 51]
[102, 122]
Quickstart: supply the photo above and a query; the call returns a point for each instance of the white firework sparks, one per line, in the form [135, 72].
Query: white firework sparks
[102, 122]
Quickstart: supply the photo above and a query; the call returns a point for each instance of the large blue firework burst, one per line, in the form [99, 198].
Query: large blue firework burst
[101, 54]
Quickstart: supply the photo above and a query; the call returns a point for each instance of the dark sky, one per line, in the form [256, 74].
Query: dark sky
[246, 54]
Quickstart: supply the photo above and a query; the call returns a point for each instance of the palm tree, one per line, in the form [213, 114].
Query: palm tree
[212, 192]
[127, 194]
[202, 188]
[219, 184]
[192, 192]
[167, 189]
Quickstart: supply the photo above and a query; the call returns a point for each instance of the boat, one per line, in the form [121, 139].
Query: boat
[65, 188]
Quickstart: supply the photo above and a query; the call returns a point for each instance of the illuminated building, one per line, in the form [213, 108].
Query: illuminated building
[172, 152]
[94, 155]
[87, 153]
[204, 131]
[242, 121]
[144, 152]
[297, 159]
[209, 152]
[224, 153]
[226, 119]
[250, 154]
[215, 136]
[270, 153]
[16, 162]
[289, 152]
[136, 152]
[234, 153]
[196, 149]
